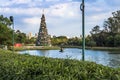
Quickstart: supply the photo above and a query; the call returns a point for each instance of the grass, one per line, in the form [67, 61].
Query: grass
[96, 48]
[35, 48]
[112, 49]
[26, 67]
[105, 48]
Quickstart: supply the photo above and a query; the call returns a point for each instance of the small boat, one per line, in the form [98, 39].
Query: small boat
[61, 49]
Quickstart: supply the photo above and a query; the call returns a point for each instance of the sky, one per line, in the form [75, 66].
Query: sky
[63, 17]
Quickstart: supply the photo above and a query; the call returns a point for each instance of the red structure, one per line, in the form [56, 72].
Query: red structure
[18, 45]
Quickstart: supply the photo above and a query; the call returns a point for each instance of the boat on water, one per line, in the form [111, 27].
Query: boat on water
[61, 49]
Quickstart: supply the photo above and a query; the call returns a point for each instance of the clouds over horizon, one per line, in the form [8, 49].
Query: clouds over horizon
[63, 17]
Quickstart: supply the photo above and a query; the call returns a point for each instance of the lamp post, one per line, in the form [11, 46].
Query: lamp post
[82, 8]
[12, 20]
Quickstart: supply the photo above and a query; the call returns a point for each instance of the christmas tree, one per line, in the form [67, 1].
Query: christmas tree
[43, 37]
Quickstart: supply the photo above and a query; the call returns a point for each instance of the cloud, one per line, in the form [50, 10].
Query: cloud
[63, 17]
[33, 20]
[52, 0]
[113, 3]
[5, 3]
[22, 11]
[65, 10]
[20, 1]
[58, 18]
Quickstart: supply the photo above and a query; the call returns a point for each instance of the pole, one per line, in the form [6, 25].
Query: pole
[13, 36]
[12, 20]
[82, 7]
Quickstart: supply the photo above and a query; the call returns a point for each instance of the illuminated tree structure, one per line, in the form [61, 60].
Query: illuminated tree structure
[43, 38]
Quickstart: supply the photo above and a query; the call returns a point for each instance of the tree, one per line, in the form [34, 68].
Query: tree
[59, 40]
[75, 41]
[112, 25]
[109, 36]
[5, 31]
[117, 40]
[20, 37]
[95, 30]
[89, 41]
[95, 33]
[112, 28]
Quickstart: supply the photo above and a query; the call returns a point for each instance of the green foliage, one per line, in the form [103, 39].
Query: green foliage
[95, 30]
[4, 20]
[109, 36]
[112, 24]
[64, 41]
[20, 37]
[117, 40]
[89, 41]
[26, 67]
[74, 41]
[32, 41]
[5, 31]
[60, 40]
[35, 48]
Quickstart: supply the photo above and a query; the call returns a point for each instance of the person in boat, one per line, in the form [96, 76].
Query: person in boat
[61, 49]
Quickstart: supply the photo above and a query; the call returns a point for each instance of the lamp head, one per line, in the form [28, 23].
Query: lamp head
[11, 18]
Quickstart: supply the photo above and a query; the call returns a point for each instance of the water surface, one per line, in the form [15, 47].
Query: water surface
[100, 57]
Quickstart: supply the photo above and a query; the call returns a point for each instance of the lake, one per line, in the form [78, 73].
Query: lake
[106, 58]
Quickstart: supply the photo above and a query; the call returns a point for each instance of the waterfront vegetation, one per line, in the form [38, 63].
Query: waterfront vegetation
[26, 67]
[35, 48]
[117, 49]
[96, 48]
[104, 48]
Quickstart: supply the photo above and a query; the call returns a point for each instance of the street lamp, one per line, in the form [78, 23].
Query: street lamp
[12, 20]
[82, 8]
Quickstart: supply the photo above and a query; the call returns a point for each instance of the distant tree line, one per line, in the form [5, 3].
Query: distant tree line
[109, 36]
[64, 41]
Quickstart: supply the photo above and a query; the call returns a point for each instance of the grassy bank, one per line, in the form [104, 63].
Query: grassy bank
[96, 48]
[35, 48]
[26, 67]
[105, 48]
[57, 47]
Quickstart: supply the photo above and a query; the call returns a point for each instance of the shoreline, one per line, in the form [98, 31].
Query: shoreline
[36, 48]
[58, 48]
[96, 48]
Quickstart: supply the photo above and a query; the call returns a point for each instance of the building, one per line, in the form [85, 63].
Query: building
[43, 38]
[29, 36]
[36, 35]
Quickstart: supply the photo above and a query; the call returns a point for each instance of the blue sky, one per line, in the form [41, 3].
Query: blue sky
[63, 17]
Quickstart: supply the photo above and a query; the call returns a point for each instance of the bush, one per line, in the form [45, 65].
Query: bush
[26, 67]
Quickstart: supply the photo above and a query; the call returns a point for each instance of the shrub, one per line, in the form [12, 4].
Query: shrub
[26, 67]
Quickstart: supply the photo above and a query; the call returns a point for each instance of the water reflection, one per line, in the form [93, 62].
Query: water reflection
[100, 57]
[114, 59]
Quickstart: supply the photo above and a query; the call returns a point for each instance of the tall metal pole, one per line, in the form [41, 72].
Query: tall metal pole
[12, 20]
[82, 7]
